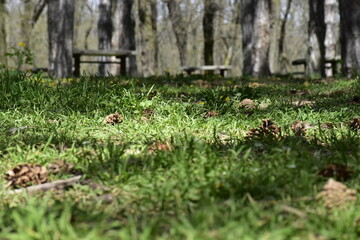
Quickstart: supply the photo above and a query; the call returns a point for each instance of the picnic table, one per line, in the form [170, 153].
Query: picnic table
[329, 64]
[120, 54]
[222, 69]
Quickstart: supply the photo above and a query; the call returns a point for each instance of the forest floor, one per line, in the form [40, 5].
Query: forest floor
[187, 158]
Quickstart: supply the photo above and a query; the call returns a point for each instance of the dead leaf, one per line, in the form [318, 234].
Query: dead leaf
[294, 91]
[113, 119]
[209, 114]
[337, 171]
[203, 83]
[152, 95]
[327, 125]
[147, 114]
[356, 100]
[159, 146]
[53, 121]
[336, 195]
[15, 130]
[26, 174]
[303, 103]
[60, 166]
[255, 85]
[300, 127]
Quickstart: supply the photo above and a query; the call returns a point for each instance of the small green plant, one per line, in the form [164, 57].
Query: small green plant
[22, 54]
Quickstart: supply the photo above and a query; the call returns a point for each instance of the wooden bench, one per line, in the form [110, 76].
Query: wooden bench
[329, 64]
[221, 69]
[120, 54]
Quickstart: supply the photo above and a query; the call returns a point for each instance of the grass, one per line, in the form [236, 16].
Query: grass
[210, 184]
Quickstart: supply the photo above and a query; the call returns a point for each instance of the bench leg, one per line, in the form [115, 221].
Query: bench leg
[77, 65]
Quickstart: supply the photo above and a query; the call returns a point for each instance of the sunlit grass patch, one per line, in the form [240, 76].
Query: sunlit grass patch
[179, 164]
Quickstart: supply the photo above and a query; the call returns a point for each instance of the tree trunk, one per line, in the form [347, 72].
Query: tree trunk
[3, 46]
[331, 36]
[60, 29]
[283, 60]
[350, 36]
[255, 18]
[26, 17]
[38, 9]
[105, 28]
[30, 15]
[316, 48]
[147, 29]
[124, 33]
[210, 8]
[179, 27]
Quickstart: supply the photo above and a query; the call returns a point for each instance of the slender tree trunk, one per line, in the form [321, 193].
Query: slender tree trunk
[30, 15]
[179, 27]
[210, 8]
[276, 19]
[147, 38]
[105, 28]
[331, 10]
[38, 9]
[124, 33]
[3, 45]
[283, 59]
[60, 29]
[350, 36]
[255, 18]
[316, 48]
[26, 18]
[90, 27]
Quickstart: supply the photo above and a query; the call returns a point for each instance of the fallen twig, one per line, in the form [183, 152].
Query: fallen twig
[59, 184]
[293, 210]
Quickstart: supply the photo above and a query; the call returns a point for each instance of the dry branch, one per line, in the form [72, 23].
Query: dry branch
[59, 184]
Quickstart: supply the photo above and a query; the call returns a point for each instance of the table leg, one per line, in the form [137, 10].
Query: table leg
[123, 65]
[77, 65]
[223, 72]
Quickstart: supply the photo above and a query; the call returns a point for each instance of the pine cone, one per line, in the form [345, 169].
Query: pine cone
[268, 129]
[247, 103]
[26, 174]
[355, 124]
[113, 119]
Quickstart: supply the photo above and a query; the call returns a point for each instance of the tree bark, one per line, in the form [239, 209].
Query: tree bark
[3, 45]
[255, 18]
[316, 48]
[60, 30]
[350, 36]
[179, 27]
[147, 38]
[124, 33]
[210, 8]
[105, 28]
